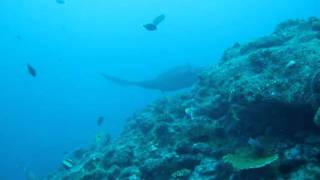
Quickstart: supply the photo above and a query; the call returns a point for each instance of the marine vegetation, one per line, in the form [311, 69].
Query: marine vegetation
[253, 115]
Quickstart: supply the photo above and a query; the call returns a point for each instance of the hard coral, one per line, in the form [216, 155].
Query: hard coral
[267, 89]
[245, 160]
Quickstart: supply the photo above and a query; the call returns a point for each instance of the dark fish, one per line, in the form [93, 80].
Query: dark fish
[150, 27]
[32, 71]
[154, 25]
[100, 121]
[60, 1]
[174, 79]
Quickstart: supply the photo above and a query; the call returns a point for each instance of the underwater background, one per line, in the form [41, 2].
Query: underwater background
[70, 44]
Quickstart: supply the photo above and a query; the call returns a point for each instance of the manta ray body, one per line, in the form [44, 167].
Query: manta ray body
[174, 79]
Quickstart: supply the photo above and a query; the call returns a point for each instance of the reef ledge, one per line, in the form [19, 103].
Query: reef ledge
[253, 115]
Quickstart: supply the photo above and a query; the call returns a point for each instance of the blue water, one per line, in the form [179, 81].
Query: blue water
[44, 118]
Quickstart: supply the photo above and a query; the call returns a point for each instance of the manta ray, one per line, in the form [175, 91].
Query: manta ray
[174, 79]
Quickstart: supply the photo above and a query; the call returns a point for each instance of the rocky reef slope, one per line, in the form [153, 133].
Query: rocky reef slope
[254, 115]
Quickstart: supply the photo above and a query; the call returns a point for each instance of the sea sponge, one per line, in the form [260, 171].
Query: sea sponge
[245, 160]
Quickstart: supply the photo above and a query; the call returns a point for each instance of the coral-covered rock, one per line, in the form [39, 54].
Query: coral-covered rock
[263, 96]
[211, 169]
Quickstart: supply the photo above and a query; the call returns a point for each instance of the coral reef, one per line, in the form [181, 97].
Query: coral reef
[245, 161]
[263, 96]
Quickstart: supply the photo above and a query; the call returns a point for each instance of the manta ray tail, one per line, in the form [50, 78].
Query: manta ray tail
[119, 81]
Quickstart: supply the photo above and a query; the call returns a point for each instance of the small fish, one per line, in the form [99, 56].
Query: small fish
[100, 121]
[67, 163]
[32, 71]
[154, 25]
[60, 1]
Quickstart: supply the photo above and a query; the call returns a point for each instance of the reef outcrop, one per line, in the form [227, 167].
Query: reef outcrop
[253, 115]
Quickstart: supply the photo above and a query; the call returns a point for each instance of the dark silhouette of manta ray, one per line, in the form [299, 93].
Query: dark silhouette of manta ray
[174, 79]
